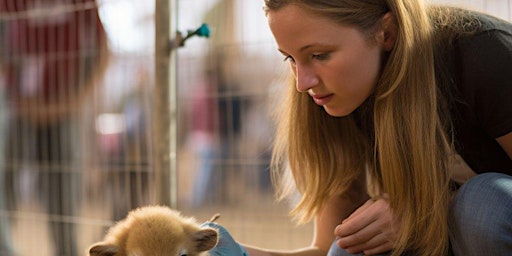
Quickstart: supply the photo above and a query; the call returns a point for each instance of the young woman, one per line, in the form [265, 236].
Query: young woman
[408, 144]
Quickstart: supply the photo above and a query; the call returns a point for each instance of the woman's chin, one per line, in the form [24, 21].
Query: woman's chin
[337, 112]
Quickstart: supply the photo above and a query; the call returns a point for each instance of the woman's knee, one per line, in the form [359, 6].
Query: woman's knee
[483, 194]
[481, 213]
[335, 250]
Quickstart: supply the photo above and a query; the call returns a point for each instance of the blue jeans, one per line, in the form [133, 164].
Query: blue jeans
[335, 250]
[480, 218]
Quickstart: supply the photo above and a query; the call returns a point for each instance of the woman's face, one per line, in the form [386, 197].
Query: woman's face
[338, 66]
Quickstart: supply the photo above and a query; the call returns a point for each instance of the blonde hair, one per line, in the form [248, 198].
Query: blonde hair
[407, 148]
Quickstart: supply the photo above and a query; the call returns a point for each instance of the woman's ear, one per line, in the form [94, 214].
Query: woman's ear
[388, 31]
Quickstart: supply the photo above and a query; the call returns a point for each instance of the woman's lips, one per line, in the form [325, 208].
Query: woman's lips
[322, 99]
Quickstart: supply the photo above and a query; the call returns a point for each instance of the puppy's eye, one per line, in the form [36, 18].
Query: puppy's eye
[182, 252]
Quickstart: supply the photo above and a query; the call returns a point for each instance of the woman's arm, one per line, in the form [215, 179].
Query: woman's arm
[308, 251]
[506, 143]
[332, 214]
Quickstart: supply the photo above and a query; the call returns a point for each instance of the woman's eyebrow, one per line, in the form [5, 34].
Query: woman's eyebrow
[303, 48]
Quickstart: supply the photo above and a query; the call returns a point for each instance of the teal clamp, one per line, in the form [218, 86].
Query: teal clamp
[179, 41]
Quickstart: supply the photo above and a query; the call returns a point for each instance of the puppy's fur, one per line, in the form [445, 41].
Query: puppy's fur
[156, 231]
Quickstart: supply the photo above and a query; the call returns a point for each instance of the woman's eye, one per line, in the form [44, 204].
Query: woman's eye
[323, 56]
[289, 59]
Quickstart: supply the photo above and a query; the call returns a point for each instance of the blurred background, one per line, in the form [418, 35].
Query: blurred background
[98, 118]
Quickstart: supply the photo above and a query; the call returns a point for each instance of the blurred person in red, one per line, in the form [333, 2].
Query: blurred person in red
[53, 52]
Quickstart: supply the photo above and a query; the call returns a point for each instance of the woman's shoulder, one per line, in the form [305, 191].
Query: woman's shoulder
[490, 24]
[489, 45]
[475, 50]
[473, 60]
[453, 25]
[482, 62]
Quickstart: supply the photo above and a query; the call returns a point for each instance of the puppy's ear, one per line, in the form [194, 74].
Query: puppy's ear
[205, 239]
[102, 249]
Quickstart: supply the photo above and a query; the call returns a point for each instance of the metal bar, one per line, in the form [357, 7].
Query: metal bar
[165, 107]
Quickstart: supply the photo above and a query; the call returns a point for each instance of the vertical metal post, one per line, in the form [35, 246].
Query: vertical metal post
[165, 105]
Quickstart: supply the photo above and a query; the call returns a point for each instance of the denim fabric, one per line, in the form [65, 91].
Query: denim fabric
[335, 250]
[481, 216]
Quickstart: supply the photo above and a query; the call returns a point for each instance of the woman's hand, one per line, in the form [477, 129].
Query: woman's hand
[370, 229]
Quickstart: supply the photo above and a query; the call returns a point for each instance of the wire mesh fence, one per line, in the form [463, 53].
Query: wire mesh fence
[75, 142]
[76, 120]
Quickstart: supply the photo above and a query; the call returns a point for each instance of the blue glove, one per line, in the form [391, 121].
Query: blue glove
[226, 246]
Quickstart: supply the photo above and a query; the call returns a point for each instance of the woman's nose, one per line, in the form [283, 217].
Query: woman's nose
[306, 78]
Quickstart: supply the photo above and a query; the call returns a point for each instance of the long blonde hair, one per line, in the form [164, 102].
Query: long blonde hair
[408, 148]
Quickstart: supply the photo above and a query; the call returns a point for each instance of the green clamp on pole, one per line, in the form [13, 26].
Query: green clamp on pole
[179, 41]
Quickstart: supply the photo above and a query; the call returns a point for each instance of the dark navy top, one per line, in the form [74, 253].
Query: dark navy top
[478, 71]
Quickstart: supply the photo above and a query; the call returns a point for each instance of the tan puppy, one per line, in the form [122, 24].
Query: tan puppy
[156, 231]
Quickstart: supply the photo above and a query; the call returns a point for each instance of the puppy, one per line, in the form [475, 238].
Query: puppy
[156, 231]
